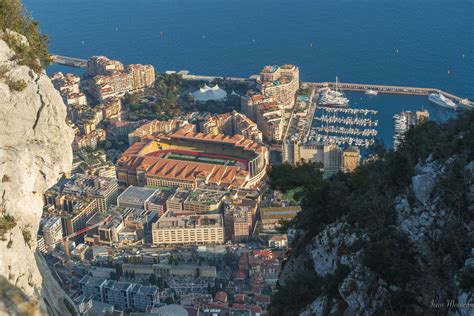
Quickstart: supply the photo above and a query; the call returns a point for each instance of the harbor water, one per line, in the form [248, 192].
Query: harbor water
[421, 43]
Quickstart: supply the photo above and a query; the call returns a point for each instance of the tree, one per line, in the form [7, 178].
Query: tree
[152, 279]
[113, 276]
[129, 99]
[169, 300]
[230, 258]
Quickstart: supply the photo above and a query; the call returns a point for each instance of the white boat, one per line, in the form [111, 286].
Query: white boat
[333, 97]
[440, 99]
[371, 92]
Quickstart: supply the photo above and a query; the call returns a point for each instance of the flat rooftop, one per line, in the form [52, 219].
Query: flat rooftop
[205, 196]
[136, 195]
[188, 220]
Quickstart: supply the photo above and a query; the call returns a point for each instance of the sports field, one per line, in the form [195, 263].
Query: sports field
[204, 158]
[194, 156]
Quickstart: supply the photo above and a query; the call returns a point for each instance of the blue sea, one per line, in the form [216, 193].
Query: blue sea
[425, 43]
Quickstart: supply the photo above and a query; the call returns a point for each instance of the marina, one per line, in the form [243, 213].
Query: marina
[343, 126]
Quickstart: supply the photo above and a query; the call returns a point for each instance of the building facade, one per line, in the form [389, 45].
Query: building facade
[188, 228]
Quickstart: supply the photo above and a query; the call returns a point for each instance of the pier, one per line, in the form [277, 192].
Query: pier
[69, 61]
[390, 90]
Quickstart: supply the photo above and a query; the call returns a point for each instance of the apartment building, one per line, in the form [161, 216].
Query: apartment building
[154, 128]
[238, 222]
[158, 202]
[142, 76]
[111, 108]
[104, 234]
[92, 287]
[203, 201]
[103, 190]
[125, 295]
[350, 159]
[176, 202]
[171, 270]
[230, 124]
[188, 228]
[118, 293]
[280, 82]
[101, 66]
[52, 231]
[82, 211]
[270, 120]
[110, 79]
[91, 140]
[142, 296]
[135, 197]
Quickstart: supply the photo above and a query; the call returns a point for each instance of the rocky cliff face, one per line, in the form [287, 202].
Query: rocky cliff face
[35, 150]
[425, 224]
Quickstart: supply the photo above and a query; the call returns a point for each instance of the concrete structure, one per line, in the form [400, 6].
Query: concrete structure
[82, 210]
[90, 140]
[280, 82]
[267, 112]
[125, 295]
[272, 216]
[188, 228]
[92, 287]
[270, 119]
[105, 234]
[238, 222]
[230, 124]
[329, 155]
[203, 201]
[171, 270]
[158, 202]
[110, 79]
[154, 128]
[103, 190]
[138, 220]
[278, 241]
[350, 159]
[118, 293]
[79, 253]
[111, 108]
[135, 197]
[186, 159]
[52, 231]
[175, 203]
[101, 65]
[143, 296]
[142, 76]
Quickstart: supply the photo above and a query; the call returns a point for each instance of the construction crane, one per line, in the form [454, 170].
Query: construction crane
[65, 239]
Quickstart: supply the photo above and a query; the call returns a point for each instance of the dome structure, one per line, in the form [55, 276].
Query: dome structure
[207, 93]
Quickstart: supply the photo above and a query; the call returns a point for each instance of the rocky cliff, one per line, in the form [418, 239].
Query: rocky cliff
[35, 150]
[396, 237]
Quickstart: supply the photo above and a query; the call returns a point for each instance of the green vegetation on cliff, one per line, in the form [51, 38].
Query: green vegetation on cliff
[14, 18]
[366, 199]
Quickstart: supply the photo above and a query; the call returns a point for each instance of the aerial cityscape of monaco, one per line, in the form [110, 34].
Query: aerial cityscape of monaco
[236, 158]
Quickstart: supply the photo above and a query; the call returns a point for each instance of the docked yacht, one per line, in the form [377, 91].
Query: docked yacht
[331, 97]
[440, 99]
[371, 92]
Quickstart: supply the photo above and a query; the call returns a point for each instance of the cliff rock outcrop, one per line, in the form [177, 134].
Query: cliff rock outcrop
[35, 150]
[424, 223]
